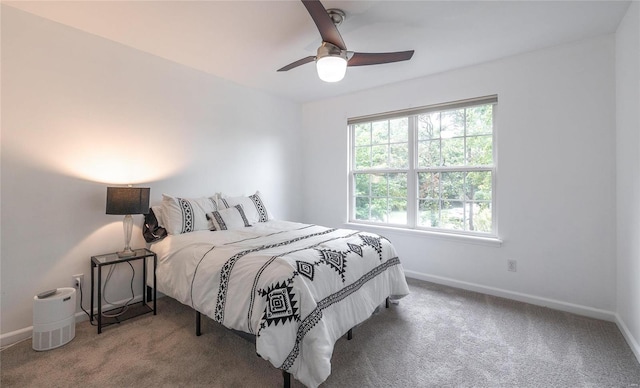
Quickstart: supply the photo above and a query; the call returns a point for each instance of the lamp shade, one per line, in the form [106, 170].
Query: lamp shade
[127, 200]
[331, 68]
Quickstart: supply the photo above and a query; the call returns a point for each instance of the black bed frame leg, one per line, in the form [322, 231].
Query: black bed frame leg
[286, 376]
[387, 302]
[198, 331]
[350, 335]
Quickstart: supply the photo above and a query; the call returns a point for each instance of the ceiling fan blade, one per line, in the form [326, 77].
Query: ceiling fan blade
[362, 59]
[328, 31]
[298, 63]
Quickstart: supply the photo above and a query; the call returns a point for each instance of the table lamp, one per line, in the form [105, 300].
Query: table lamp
[127, 201]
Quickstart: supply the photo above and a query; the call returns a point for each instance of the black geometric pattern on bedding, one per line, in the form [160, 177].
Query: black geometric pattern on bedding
[373, 242]
[281, 305]
[355, 249]
[221, 224]
[314, 317]
[220, 220]
[302, 268]
[282, 310]
[214, 203]
[336, 260]
[187, 215]
[243, 215]
[225, 272]
[262, 210]
[306, 269]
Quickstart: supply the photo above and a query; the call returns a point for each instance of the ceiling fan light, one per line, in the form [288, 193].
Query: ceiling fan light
[331, 68]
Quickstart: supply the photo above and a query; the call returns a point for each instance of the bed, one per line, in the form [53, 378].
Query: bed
[296, 288]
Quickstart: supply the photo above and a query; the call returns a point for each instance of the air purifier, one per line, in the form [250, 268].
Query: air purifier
[54, 321]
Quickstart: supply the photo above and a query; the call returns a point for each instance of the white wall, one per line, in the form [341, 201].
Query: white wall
[555, 180]
[80, 113]
[628, 172]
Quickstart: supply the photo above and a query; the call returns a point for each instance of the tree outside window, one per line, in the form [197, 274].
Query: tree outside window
[430, 168]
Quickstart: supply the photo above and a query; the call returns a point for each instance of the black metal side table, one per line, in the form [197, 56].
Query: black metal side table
[134, 309]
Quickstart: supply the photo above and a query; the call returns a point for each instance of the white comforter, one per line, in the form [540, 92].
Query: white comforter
[296, 287]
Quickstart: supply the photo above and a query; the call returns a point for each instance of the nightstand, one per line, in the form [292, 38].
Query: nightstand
[134, 309]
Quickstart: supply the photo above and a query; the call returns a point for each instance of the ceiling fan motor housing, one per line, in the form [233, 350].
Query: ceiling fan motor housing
[330, 50]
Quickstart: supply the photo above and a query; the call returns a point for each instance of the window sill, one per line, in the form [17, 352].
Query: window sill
[477, 240]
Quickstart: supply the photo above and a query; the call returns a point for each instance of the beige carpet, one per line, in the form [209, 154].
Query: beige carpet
[436, 337]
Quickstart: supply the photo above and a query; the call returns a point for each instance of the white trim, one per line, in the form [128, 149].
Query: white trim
[453, 237]
[467, 103]
[539, 301]
[16, 336]
[633, 343]
[527, 298]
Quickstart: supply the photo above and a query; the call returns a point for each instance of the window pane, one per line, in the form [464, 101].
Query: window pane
[453, 152]
[380, 156]
[379, 209]
[451, 185]
[380, 132]
[478, 186]
[479, 150]
[363, 157]
[385, 202]
[398, 186]
[479, 217]
[399, 155]
[363, 134]
[429, 213]
[452, 215]
[399, 130]
[429, 153]
[428, 185]
[429, 126]
[379, 185]
[452, 123]
[362, 185]
[480, 120]
[398, 211]
[362, 208]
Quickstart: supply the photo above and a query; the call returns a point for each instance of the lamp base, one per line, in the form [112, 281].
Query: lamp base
[126, 253]
[127, 226]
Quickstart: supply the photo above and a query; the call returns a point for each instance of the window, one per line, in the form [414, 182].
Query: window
[431, 168]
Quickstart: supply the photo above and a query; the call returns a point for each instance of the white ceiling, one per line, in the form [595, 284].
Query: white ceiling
[247, 41]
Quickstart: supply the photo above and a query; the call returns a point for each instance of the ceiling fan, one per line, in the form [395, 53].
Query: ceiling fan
[332, 57]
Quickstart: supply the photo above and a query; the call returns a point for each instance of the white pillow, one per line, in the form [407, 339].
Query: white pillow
[253, 206]
[184, 215]
[157, 211]
[228, 219]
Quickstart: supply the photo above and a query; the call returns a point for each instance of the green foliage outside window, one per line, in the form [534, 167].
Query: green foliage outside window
[453, 169]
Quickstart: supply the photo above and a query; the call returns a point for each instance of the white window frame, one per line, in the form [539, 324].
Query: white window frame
[413, 170]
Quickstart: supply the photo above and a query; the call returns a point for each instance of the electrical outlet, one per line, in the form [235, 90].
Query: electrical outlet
[75, 282]
[512, 265]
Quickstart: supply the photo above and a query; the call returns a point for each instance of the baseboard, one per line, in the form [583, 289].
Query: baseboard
[15, 336]
[25, 333]
[633, 343]
[527, 298]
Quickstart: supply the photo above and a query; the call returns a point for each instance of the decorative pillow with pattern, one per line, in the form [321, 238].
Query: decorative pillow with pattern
[184, 215]
[228, 219]
[253, 206]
